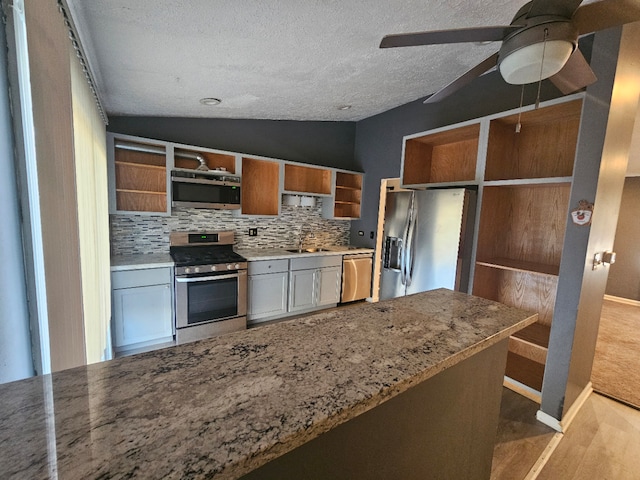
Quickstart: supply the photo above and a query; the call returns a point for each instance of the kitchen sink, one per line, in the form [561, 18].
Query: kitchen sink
[307, 250]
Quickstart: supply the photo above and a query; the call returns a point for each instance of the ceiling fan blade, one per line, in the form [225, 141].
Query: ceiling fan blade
[464, 79]
[459, 35]
[605, 14]
[575, 74]
[563, 8]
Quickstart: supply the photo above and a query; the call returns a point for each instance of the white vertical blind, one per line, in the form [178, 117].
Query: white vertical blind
[89, 140]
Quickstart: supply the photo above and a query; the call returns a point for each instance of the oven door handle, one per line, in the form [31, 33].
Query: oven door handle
[205, 279]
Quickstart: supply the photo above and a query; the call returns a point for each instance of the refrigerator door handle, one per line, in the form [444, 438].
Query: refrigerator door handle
[404, 250]
[409, 245]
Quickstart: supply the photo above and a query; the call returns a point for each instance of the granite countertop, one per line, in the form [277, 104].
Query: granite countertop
[224, 406]
[140, 261]
[255, 254]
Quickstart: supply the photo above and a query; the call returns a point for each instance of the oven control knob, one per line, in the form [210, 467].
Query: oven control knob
[213, 268]
[237, 266]
[187, 270]
[229, 266]
[197, 269]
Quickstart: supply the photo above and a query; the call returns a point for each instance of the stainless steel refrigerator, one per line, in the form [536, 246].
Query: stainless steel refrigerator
[427, 241]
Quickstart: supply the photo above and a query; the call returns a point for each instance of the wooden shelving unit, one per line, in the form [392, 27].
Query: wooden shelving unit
[301, 179]
[448, 156]
[260, 185]
[523, 218]
[140, 180]
[348, 195]
[545, 146]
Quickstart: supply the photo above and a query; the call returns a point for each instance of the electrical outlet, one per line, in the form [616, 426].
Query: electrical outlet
[371, 235]
[360, 233]
[253, 232]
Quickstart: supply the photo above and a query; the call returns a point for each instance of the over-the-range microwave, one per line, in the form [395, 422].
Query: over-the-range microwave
[205, 189]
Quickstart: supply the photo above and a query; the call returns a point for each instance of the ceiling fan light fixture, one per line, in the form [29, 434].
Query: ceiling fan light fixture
[525, 64]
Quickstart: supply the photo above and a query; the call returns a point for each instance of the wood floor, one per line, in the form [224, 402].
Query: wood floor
[602, 442]
[521, 439]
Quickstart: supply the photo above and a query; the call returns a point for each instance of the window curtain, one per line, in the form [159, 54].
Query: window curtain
[89, 141]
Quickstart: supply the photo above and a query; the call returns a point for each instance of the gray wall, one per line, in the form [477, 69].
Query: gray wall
[624, 275]
[15, 346]
[321, 143]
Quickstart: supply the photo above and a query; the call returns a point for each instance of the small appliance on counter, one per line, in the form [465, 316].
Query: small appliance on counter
[210, 285]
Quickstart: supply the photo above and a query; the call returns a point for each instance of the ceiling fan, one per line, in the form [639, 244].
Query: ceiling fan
[541, 42]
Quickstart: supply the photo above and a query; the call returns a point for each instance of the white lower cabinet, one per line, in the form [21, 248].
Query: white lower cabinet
[283, 287]
[268, 289]
[314, 282]
[302, 289]
[142, 308]
[329, 285]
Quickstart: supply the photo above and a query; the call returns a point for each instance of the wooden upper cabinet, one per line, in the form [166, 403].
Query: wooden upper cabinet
[301, 179]
[260, 187]
[140, 177]
[442, 157]
[544, 145]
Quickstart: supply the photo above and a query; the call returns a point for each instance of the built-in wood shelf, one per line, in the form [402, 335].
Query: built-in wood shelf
[140, 179]
[521, 266]
[526, 371]
[446, 156]
[543, 146]
[301, 179]
[348, 195]
[529, 291]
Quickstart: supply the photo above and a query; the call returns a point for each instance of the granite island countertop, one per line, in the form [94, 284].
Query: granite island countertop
[224, 406]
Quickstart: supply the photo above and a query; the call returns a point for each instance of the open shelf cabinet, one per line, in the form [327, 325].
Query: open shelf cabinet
[518, 261]
[523, 219]
[544, 146]
[348, 195]
[447, 156]
[140, 179]
[301, 179]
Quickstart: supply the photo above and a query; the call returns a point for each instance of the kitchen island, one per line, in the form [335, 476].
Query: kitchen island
[424, 370]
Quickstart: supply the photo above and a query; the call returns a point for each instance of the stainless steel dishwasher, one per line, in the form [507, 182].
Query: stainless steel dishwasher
[356, 276]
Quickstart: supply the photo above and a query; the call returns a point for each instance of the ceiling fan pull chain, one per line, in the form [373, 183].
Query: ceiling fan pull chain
[519, 125]
[544, 47]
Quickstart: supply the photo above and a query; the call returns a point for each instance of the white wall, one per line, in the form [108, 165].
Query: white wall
[15, 347]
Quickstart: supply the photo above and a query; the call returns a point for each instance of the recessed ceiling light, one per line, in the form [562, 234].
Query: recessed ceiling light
[344, 107]
[210, 101]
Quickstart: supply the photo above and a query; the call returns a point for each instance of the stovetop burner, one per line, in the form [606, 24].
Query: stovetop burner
[200, 252]
[205, 255]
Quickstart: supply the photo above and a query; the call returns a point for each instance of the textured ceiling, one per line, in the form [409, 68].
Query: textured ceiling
[284, 59]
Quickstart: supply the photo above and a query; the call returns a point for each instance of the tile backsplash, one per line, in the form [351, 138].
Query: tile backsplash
[150, 234]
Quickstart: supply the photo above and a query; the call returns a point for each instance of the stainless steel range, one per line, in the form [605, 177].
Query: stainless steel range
[210, 285]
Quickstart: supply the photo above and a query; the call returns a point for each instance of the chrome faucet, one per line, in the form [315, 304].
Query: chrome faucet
[301, 235]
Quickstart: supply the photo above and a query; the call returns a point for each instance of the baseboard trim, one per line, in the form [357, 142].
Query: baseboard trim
[575, 408]
[562, 425]
[544, 457]
[626, 301]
